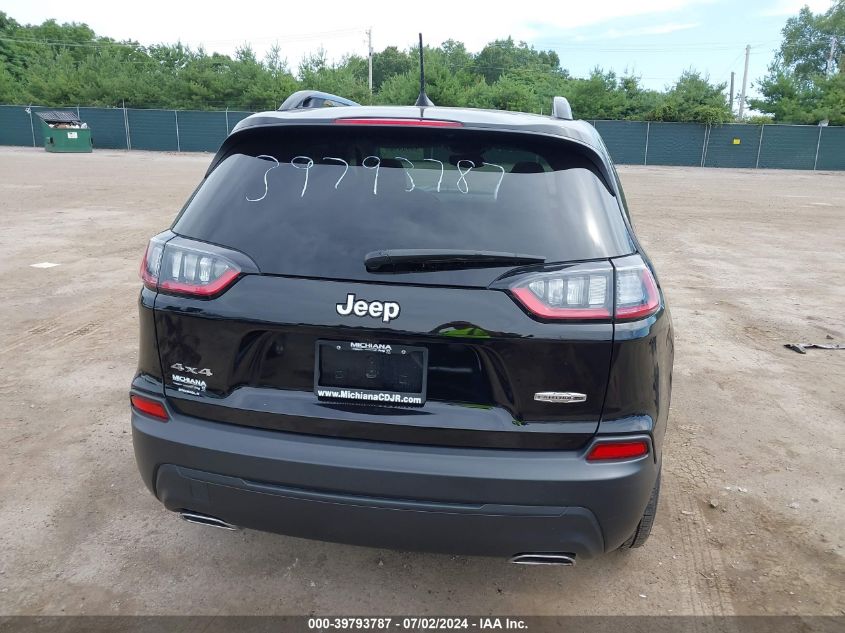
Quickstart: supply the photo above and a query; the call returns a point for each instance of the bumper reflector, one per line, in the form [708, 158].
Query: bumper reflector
[153, 408]
[618, 450]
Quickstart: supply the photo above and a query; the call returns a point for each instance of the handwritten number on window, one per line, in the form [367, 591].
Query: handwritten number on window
[345, 168]
[440, 180]
[407, 173]
[375, 166]
[463, 186]
[264, 156]
[306, 165]
[501, 177]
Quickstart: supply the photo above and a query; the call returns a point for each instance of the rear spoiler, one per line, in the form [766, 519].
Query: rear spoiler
[243, 131]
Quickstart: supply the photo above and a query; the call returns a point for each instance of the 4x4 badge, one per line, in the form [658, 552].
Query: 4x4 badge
[386, 310]
[565, 397]
[191, 370]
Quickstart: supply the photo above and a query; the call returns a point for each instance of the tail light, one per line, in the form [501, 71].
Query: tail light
[636, 290]
[186, 267]
[150, 407]
[591, 291]
[577, 292]
[626, 449]
[151, 264]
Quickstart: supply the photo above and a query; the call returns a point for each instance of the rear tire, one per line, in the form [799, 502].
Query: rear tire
[641, 534]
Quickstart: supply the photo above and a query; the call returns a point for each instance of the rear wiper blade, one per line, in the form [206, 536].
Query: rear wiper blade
[419, 259]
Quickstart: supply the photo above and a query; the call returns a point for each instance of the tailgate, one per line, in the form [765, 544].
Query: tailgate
[248, 357]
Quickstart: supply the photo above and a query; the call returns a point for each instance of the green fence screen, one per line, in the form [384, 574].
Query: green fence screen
[626, 140]
[832, 149]
[789, 146]
[201, 131]
[15, 126]
[108, 127]
[629, 142]
[733, 146]
[153, 130]
[676, 144]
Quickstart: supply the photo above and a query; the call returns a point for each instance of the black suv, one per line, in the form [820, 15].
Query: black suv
[418, 328]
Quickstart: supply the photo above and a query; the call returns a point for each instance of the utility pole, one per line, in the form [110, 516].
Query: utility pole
[733, 74]
[370, 57]
[744, 83]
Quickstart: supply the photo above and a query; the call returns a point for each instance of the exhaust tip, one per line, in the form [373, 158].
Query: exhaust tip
[534, 558]
[205, 519]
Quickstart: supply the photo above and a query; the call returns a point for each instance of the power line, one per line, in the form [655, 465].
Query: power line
[603, 47]
[140, 47]
[568, 46]
[728, 67]
[91, 44]
[293, 39]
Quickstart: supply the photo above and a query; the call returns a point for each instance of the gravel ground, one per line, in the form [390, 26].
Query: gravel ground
[750, 260]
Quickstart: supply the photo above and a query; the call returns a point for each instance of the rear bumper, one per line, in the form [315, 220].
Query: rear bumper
[485, 529]
[457, 500]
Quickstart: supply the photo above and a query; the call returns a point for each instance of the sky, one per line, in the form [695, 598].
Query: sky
[656, 39]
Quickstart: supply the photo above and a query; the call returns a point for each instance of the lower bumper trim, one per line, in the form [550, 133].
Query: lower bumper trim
[477, 529]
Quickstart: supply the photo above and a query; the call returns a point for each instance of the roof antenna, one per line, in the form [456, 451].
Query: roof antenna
[422, 100]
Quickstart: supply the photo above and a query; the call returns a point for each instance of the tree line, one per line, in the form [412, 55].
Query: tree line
[65, 64]
[806, 80]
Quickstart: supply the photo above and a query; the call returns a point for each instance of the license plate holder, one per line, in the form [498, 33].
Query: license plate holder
[370, 373]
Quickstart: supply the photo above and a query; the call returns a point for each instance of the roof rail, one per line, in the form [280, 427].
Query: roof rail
[313, 99]
[561, 109]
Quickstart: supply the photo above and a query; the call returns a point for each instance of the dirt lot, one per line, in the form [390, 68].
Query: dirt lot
[749, 259]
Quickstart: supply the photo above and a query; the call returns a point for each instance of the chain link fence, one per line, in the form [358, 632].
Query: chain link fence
[629, 142]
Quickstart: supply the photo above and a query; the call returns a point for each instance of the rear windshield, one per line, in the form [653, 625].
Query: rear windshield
[314, 201]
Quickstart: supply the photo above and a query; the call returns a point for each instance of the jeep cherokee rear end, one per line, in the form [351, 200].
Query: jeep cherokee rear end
[415, 328]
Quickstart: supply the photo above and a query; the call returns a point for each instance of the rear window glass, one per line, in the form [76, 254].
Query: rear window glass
[314, 201]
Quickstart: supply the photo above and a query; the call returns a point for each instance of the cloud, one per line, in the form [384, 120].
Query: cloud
[658, 29]
[792, 7]
[590, 14]
[339, 25]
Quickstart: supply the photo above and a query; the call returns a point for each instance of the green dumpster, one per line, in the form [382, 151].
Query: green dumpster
[64, 132]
